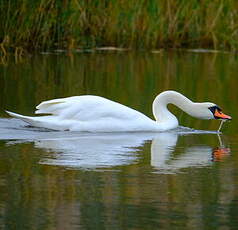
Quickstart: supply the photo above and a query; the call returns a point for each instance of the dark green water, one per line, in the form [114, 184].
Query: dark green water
[174, 180]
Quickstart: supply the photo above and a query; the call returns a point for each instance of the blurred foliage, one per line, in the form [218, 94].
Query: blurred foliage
[80, 24]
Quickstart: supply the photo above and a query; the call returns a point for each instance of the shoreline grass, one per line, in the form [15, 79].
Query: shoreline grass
[136, 24]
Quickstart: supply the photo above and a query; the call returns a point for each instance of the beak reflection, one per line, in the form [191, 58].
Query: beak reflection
[219, 153]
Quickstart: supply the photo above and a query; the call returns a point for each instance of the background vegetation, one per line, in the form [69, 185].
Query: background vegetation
[150, 24]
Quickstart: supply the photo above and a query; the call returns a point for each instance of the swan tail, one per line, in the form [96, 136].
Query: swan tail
[29, 120]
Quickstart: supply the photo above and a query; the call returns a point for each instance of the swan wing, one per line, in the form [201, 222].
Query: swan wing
[88, 113]
[87, 108]
[54, 107]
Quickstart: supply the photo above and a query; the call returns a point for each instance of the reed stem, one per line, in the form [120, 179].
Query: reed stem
[139, 24]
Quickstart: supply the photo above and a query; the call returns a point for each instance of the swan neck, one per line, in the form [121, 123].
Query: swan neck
[160, 110]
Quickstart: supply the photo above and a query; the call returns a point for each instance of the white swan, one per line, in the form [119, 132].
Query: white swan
[98, 114]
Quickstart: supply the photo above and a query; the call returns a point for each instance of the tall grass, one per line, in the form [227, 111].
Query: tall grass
[149, 24]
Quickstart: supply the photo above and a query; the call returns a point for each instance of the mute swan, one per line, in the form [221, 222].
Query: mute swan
[98, 114]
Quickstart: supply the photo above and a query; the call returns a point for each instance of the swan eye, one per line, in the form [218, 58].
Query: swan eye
[215, 108]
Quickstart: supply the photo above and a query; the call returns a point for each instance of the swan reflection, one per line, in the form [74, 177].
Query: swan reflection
[96, 151]
[92, 151]
[162, 158]
[88, 150]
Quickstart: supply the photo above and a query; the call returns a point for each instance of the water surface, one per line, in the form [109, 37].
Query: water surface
[181, 179]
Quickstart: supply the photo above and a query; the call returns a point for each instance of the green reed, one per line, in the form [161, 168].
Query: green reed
[146, 24]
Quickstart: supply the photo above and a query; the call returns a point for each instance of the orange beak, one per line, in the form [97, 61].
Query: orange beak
[220, 115]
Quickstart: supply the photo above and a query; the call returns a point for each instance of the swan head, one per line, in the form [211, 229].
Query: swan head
[218, 114]
[209, 110]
